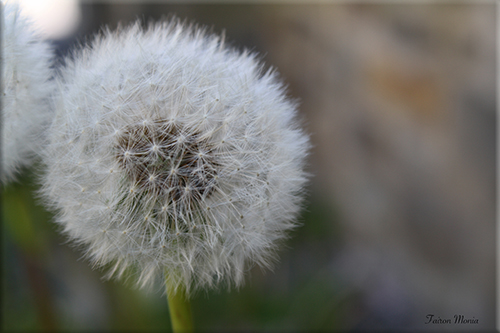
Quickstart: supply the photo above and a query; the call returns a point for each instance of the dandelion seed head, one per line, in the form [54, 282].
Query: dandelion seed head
[199, 140]
[26, 90]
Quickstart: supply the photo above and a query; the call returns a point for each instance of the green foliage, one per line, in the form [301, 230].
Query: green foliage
[301, 294]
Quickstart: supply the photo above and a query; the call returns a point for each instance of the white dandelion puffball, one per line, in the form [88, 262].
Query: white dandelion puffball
[173, 157]
[26, 90]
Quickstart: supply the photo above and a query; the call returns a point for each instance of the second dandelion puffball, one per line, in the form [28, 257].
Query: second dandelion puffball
[172, 156]
[26, 90]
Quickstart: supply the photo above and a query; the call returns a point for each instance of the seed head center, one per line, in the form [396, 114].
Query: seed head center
[167, 160]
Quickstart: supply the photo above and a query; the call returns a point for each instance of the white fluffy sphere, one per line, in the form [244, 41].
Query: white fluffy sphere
[26, 90]
[172, 156]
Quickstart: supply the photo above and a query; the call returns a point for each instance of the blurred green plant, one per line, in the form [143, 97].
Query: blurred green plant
[26, 238]
[301, 294]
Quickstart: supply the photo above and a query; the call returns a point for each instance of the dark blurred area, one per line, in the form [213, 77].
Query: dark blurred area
[400, 102]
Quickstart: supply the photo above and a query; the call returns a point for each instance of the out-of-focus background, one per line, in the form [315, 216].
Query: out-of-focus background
[399, 100]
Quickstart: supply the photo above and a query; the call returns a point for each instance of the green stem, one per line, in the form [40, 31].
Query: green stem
[180, 311]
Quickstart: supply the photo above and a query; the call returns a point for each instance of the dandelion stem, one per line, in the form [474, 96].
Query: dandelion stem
[180, 311]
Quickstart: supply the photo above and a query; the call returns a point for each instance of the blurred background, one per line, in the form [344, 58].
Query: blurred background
[400, 103]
